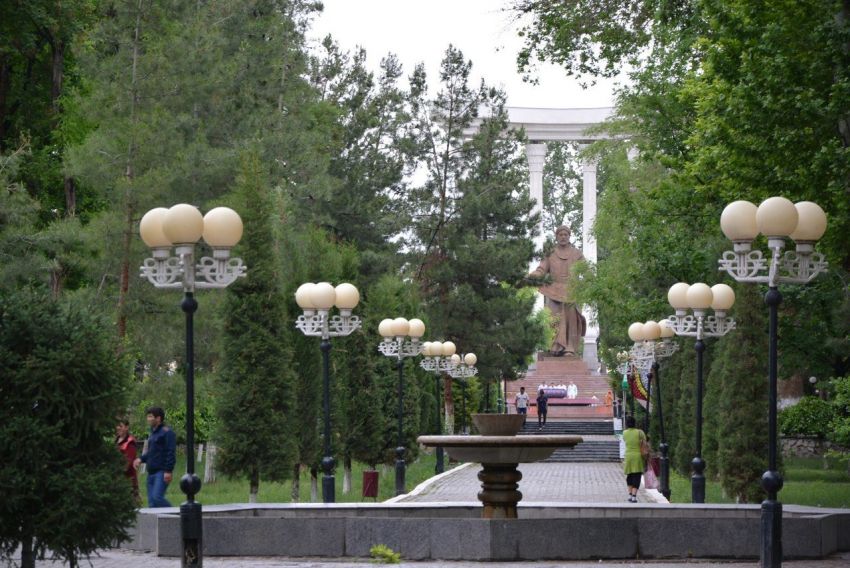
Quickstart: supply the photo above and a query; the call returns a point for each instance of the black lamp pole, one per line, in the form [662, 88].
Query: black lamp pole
[440, 466]
[698, 464]
[649, 378]
[221, 228]
[771, 480]
[328, 463]
[191, 525]
[663, 446]
[399, 451]
[463, 406]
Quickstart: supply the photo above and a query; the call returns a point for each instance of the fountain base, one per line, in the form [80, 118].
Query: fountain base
[499, 490]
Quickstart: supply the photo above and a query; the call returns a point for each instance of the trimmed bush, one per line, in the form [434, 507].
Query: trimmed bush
[809, 417]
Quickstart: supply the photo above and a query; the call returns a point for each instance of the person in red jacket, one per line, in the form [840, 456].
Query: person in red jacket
[126, 444]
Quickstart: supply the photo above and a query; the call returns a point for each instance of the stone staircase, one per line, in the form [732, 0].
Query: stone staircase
[561, 370]
[571, 427]
[599, 443]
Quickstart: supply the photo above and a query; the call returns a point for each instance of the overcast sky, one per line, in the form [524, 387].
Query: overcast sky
[421, 30]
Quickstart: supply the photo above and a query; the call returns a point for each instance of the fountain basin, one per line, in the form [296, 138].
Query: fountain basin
[500, 449]
[498, 424]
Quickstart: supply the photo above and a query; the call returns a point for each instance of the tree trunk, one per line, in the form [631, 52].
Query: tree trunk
[209, 465]
[449, 404]
[314, 485]
[5, 83]
[295, 494]
[124, 285]
[57, 47]
[27, 556]
[844, 121]
[254, 479]
[346, 475]
[57, 77]
[70, 197]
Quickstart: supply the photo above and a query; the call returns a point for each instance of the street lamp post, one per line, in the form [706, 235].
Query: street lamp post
[317, 300]
[394, 332]
[776, 218]
[648, 353]
[182, 226]
[699, 298]
[464, 367]
[438, 361]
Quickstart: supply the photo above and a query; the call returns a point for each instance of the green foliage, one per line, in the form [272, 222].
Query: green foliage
[383, 554]
[727, 100]
[562, 190]
[684, 414]
[369, 156]
[840, 425]
[809, 417]
[473, 222]
[255, 400]
[738, 375]
[63, 387]
[811, 482]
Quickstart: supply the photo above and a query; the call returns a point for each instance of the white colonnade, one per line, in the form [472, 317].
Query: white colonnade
[564, 125]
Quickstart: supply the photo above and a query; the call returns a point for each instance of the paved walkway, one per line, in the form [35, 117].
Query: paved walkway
[126, 559]
[541, 482]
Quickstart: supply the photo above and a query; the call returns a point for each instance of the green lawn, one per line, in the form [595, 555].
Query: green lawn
[807, 482]
[225, 490]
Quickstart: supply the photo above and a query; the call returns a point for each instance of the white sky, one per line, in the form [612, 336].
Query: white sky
[421, 30]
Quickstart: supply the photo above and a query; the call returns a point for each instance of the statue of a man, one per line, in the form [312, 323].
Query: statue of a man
[568, 320]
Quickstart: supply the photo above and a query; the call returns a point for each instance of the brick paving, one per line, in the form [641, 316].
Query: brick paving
[541, 482]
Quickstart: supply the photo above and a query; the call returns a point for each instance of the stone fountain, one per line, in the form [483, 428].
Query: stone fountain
[500, 450]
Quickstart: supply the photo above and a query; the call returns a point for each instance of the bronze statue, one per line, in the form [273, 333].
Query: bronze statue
[569, 323]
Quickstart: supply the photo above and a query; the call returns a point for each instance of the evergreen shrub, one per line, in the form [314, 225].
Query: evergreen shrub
[809, 417]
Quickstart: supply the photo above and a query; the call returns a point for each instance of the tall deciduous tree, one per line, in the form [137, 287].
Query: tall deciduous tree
[255, 401]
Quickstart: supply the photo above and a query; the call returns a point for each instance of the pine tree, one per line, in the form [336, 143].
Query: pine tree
[255, 400]
[62, 388]
[473, 225]
[369, 158]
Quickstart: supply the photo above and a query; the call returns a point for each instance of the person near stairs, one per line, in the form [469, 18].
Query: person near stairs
[542, 408]
[521, 402]
[633, 465]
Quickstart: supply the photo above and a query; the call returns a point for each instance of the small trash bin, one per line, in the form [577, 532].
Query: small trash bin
[370, 484]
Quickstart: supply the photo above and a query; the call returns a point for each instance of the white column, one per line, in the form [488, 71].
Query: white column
[588, 246]
[588, 241]
[536, 154]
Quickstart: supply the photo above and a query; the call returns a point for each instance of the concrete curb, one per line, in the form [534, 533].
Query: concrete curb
[427, 483]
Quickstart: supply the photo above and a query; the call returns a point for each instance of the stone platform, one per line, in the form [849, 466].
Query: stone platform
[454, 531]
[569, 512]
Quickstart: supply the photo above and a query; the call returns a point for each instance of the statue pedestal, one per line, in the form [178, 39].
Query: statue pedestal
[589, 354]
